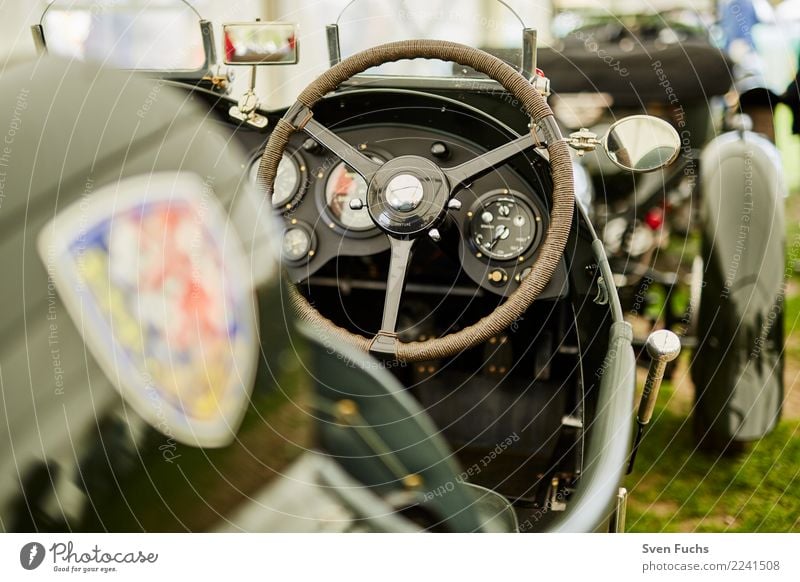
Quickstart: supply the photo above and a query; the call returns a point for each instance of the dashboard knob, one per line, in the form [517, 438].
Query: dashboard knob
[435, 235]
[312, 146]
[454, 204]
[498, 277]
[520, 277]
[440, 150]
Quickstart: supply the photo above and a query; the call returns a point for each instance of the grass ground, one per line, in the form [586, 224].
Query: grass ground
[676, 487]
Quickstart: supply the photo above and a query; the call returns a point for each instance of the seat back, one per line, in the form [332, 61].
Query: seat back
[381, 436]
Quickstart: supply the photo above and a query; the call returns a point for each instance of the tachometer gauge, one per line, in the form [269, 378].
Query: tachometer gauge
[289, 180]
[298, 243]
[344, 185]
[503, 226]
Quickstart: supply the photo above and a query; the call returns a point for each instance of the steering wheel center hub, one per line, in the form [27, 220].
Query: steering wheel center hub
[407, 195]
[404, 192]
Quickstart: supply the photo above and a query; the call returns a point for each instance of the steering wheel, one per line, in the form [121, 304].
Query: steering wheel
[409, 196]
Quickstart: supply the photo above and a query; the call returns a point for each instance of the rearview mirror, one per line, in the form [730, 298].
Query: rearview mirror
[260, 43]
[642, 143]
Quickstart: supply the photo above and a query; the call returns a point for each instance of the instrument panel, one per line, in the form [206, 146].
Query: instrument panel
[341, 187]
[496, 233]
[291, 180]
[503, 226]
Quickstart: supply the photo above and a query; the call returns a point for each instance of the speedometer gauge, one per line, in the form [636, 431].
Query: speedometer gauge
[503, 226]
[344, 185]
[289, 180]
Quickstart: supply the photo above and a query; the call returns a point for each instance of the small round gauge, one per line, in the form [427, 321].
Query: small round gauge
[342, 186]
[503, 226]
[288, 180]
[297, 243]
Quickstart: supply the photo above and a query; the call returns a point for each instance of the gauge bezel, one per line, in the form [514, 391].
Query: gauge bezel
[302, 181]
[299, 224]
[332, 222]
[489, 198]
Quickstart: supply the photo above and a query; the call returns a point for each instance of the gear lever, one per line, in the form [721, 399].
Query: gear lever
[663, 347]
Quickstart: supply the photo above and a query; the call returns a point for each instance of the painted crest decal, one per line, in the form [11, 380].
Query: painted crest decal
[156, 280]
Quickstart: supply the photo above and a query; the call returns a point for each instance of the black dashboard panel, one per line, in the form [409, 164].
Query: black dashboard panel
[391, 123]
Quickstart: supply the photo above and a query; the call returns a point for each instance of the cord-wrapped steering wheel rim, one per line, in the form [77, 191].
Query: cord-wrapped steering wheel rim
[555, 240]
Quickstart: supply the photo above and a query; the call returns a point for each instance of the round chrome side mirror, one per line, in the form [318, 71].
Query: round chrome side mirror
[642, 143]
[639, 143]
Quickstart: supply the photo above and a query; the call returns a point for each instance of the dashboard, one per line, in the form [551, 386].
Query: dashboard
[492, 239]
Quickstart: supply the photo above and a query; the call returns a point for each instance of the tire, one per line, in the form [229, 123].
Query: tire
[737, 366]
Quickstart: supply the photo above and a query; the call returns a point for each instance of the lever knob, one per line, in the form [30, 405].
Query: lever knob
[663, 345]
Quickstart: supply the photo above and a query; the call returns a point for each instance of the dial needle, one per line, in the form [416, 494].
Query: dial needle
[500, 233]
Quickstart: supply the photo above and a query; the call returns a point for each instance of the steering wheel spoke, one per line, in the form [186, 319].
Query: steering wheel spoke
[401, 250]
[341, 149]
[465, 173]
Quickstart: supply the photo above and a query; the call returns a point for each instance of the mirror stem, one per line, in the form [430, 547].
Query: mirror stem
[253, 70]
[529, 52]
